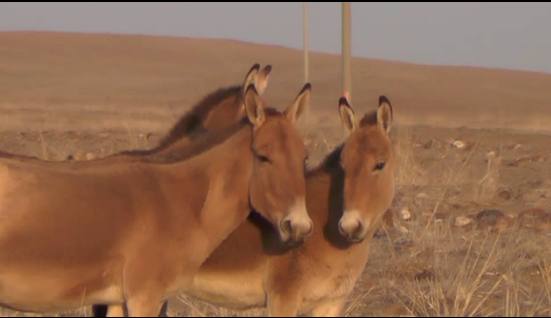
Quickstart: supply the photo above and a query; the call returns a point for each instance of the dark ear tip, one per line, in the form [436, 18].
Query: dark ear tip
[256, 66]
[307, 87]
[383, 100]
[268, 68]
[344, 101]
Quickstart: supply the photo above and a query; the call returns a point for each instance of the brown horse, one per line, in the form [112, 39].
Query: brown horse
[346, 196]
[159, 221]
[218, 110]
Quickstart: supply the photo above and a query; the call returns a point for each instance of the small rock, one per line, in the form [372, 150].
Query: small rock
[514, 163]
[494, 220]
[389, 218]
[421, 198]
[427, 215]
[79, 155]
[425, 275]
[403, 244]
[428, 145]
[444, 207]
[462, 221]
[505, 194]
[440, 216]
[405, 214]
[431, 144]
[539, 159]
[538, 213]
[504, 225]
[379, 234]
[491, 274]
[396, 310]
[435, 216]
[518, 146]
[490, 216]
[459, 144]
[151, 136]
[91, 156]
[537, 219]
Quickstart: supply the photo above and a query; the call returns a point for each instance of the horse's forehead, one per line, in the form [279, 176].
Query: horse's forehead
[278, 134]
[370, 141]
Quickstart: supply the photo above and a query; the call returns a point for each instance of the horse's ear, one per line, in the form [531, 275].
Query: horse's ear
[297, 108]
[254, 107]
[385, 115]
[251, 76]
[348, 118]
[262, 79]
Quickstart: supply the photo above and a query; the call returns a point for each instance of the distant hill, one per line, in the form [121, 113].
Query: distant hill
[133, 74]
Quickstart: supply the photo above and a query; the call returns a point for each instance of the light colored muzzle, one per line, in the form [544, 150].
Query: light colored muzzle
[297, 225]
[353, 227]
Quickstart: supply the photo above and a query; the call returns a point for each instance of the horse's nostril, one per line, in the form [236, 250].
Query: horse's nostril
[342, 229]
[351, 229]
[287, 227]
[359, 230]
[310, 229]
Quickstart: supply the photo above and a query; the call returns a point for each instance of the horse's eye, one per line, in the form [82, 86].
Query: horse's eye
[264, 159]
[380, 166]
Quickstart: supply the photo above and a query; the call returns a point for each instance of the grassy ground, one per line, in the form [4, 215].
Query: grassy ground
[431, 263]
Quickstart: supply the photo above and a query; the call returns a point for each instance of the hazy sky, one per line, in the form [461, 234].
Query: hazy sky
[504, 35]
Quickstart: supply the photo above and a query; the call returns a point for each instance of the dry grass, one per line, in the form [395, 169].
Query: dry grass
[425, 266]
[446, 271]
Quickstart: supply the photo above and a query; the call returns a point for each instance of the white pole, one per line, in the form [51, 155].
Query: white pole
[305, 40]
[346, 50]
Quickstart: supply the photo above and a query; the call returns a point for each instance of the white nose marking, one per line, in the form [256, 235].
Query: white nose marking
[299, 220]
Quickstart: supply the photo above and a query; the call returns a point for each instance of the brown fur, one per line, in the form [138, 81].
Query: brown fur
[159, 221]
[252, 269]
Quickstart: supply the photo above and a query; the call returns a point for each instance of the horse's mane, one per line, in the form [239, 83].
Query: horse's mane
[191, 122]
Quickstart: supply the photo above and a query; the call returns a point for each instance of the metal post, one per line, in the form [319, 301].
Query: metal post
[305, 39]
[346, 50]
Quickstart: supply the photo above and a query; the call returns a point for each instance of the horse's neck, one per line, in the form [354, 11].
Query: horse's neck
[325, 185]
[225, 172]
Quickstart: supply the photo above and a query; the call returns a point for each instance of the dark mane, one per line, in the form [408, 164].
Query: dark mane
[205, 141]
[201, 144]
[329, 164]
[191, 122]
